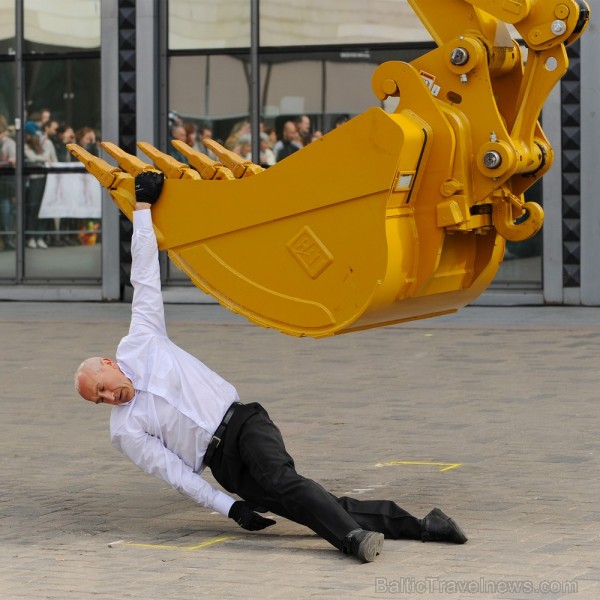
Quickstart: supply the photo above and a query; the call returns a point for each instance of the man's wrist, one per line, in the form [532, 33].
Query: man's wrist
[142, 205]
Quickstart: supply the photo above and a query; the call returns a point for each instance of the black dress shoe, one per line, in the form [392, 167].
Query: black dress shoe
[363, 544]
[438, 527]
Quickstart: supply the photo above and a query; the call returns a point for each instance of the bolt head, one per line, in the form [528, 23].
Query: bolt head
[459, 56]
[492, 159]
[558, 27]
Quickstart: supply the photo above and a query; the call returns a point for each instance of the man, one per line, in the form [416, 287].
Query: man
[172, 416]
[178, 132]
[289, 142]
[303, 128]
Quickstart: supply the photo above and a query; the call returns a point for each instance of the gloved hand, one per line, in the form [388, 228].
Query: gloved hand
[245, 517]
[148, 186]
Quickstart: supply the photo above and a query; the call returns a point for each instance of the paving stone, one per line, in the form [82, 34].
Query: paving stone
[510, 394]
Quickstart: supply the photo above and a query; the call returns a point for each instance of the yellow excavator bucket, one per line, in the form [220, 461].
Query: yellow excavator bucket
[390, 217]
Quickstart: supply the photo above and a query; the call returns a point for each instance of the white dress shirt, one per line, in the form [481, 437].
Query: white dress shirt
[178, 402]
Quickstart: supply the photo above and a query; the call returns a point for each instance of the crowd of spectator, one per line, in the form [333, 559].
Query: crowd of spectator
[274, 145]
[45, 144]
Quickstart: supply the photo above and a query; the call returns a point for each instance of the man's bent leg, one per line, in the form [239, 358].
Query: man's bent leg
[268, 478]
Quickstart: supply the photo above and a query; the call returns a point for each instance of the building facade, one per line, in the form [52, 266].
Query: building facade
[128, 70]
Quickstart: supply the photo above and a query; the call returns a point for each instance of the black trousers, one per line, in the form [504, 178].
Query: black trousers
[252, 462]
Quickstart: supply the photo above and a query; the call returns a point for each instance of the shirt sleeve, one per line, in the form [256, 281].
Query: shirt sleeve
[149, 454]
[147, 310]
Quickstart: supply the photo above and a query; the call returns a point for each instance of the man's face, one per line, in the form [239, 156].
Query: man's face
[68, 136]
[289, 131]
[51, 129]
[108, 385]
[304, 125]
[179, 133]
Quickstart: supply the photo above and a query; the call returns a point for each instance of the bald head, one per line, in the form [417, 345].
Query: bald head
[87, 367]
[100, 380]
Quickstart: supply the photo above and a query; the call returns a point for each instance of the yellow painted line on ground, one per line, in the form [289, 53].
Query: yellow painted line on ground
[171, 547]
[447, 466]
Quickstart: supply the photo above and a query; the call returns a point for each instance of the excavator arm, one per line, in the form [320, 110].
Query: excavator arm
[392, 216]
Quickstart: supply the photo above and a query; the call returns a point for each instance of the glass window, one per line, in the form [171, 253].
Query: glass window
[208, 97]
[209, 90]
[61, 25]
[7, 94]
[7, 217]
[292, 87]
[68, 89]
[7, 27]
[349, 87]
[325, 85]
[61, 203]
[204, 24]
[8, 159]
[314, 22]
[522, 264]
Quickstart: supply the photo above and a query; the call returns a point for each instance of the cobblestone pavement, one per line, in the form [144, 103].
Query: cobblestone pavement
[491, 414]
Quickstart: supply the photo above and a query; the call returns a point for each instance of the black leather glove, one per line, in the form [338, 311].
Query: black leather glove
[245, 517]
[148, 186]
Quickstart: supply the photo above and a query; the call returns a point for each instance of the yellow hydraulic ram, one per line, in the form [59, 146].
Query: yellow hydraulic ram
[390, 217]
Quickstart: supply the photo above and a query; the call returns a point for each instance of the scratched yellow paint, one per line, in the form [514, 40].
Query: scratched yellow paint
[446, 466]
[172, 547]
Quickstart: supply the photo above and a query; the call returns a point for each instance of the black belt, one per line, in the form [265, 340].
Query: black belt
[218, 434]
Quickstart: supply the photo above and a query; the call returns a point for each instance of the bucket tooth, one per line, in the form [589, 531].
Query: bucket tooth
[239, 166]
[173, 169]
[104, 172]
[206, 166]
[128, 162]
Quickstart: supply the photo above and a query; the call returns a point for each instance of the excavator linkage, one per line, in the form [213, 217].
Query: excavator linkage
[392, 216]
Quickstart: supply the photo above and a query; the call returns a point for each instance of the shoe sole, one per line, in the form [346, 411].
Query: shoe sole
[371, 547]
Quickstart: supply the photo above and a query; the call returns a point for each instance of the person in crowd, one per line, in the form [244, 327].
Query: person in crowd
[45, 116]
[172, 416]
[191, 130]
[240, 129]
[36, 118]
[86, 138]
[303, 128]
[316, 135]
[86, 228]
[174, 119]
[267, 156]
[244, 148]
[64, 135]
[35, 156]
[206, 133]
[8, 159]
[48, 138]
[272, 133]
[289, 142]
[339, 121]
[177, 132]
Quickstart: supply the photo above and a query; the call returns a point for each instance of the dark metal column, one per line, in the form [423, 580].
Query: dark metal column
[255, 79]
[19, 124]
[127, 119]
[571, 173]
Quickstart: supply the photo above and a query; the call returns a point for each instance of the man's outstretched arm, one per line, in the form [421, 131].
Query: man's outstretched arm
[147, 311]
